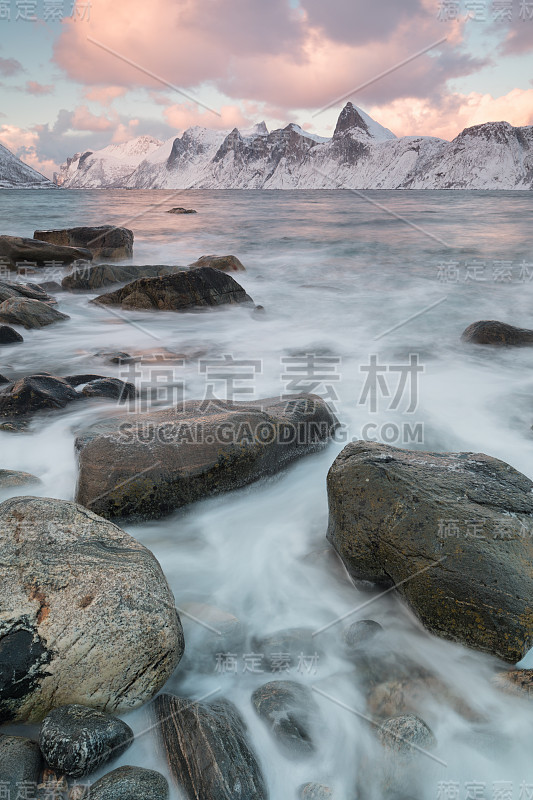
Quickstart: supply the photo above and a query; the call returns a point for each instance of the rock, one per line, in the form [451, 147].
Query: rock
[104, 241]
[315, 791]
[146, 465]
[35, 393]
[413, 695]
[179, 210]
[18, 253]
[209, 631]
[179, 292]
[52, 786]
[4, 380]
[79, 380]
[116, 357]
[9, 479]
[130, 783]
[50, 286]
[359, 633]
[453, 533]
[9, 335]
[89, 278]
[288, 649]
[20, 763]
[515, 681]
[30, 290]
[496, 333]
[290, 711]
[29, 313]
[224, 263]
[76, 740]
[86, 615]
[406, 734]
[208, 751]
[109, 388]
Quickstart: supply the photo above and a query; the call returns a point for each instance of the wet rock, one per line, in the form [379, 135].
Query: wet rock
[35, 393]
[413, 695]
[180, 210]
[18, 252]
[9, 479]
[76, 740]
[315, 791]
[9, 335]
[116, 357]
[292, 648]
[4, 380]
[109, 388]
[20, 763]
[195, 288]
[146, 465]
[86, 615]
[30, 290]
[90, 278]
[224, 263]
[357, 635]
[50, 286]
[208, 751]
[515, 681]
[29, 313]
[210, 632]
[290, 712]
[496, 333]
[406, 734]
[453, 532]
[130, 783]
[79, 380]
[104, 241]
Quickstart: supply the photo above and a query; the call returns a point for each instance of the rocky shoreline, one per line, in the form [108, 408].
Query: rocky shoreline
[89, 628]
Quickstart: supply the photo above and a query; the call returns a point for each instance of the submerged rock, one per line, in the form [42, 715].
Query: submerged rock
[315, 791]
[291, 648]
[104, 241]
[9, 335]
[208, 751]
[210, 633]
[406, 734]
[130, 783]
[89, 278]
[496, 333]
[224, 263]
[289, 710]
[515, 681]
[357, 635]
[146, 465]
[18, 252]
[184, 290]
[9, 479]
[109, 388]
[86, 615]
[76, 740]
[452, 531]
[29, 313]
[20, 764]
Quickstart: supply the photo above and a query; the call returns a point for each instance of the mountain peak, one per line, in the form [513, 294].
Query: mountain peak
[350, 118]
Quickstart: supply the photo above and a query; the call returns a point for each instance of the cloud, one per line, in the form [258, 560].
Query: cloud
[104, 94]
[84, 120]
[185, 115]
[38, 89]
[25, 145]
[9, 67]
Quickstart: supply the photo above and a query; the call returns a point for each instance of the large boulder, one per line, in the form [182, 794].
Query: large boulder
[452, 531]
[86, 615]
[33, 291]
[179, 292]
[19, 253]
[89, 278]
[130, 783]
[29, 313]
[9, 335]
[497, 333]
[146, 465]
[103, 241]
[224, 263]
[21, 763]
[208, 751]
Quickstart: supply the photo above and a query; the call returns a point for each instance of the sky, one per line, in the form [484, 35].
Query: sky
[80, 77]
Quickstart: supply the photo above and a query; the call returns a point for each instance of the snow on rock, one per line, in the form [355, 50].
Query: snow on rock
[106, 168]
[14, 174]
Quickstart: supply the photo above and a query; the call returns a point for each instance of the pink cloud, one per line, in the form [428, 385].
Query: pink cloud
[23, 143]
[85, 120]
[104, 94]
[186, 115]
[38, 89]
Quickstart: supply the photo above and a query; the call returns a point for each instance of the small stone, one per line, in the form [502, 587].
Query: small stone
[130, 783]
[9, 335]
[359, 633]
[224, 263]
[77, 740]
[406, 734]
[20, 762]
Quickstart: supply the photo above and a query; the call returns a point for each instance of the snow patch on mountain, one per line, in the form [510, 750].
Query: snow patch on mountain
[15, 174]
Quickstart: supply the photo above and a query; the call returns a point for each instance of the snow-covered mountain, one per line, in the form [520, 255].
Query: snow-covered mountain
[14, 174]
[361, 154]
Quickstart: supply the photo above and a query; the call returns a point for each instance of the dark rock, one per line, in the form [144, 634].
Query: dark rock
[50, 286]
[9, 335]
[79, 380]
[20, 763]
[496, 333]
[104, 241]
[359, 633]
[179, 210]
[9, 479]
[110, 388]
[146, 465]
[406, 734]
[86, 615]
[4, 380]
[184, 290]
[208, 751]
[452, 531]
[18, 252]
[224, 263]
[77, 740]
[290, 712]
[315, 791]
[30, 290]
[90, 278]
[130, 783]
[29, 313]
[35, 393]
